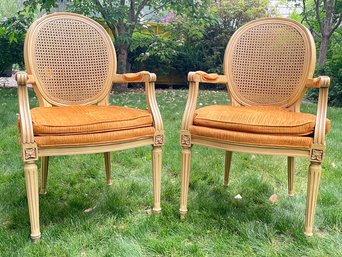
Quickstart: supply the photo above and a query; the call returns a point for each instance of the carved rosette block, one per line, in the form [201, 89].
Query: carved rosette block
[186, 140]
[30, 154]
[158, 140]
[316, 155]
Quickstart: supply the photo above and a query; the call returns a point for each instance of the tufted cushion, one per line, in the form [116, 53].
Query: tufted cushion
[256, 119]
[252, 138]
[79, 119]
[80, 125]
[95, 138]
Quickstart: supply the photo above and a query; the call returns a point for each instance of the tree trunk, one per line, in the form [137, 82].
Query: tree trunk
[323, 53]
[122, 58]
[122, 64]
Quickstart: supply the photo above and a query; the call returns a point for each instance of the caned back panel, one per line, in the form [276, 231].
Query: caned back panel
[71, 57]
[268, 62]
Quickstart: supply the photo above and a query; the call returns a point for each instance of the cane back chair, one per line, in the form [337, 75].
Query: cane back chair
[71, 63]
[268, 66]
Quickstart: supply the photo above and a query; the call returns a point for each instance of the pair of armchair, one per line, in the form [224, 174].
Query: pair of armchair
[71, 63]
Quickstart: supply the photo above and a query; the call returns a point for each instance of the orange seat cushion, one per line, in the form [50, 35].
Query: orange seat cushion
[256, 119]
[82, 125]
[78, 119]
[252, 138]
[95, 138]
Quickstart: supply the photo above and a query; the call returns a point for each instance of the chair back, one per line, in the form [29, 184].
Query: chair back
[71, 58]
[268, 61]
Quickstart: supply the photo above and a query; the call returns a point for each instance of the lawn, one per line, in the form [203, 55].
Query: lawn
[81, 216]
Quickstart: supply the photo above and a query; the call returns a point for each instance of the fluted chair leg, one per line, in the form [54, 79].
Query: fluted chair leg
[227, 163]
[31, 180]
[156, 177]
[290, 174]
[108, 168]
[311, 199]
[44, 174]
[186, 164]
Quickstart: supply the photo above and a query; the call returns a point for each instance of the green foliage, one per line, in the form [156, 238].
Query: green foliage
[12, 36]
[194, 42]
[152, 52]
[13, 30]
[230, 16]
[333, 68]
[9, 8]
[309, 15]
[124, 18]
[333, 64]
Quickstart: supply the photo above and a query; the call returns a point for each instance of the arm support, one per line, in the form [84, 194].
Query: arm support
[142, 76]
[320, 82]
[323, 84]
[26, 130]
[201, 76]
[194, 79]
[152, 106]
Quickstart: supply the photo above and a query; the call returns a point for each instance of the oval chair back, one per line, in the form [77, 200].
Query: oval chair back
[268, 62]
[71, 58]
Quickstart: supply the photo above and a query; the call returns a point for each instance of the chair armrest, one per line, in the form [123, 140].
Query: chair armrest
[142, 76]
[323, 84]
[320, 82]
[152, 106]
[29, 147]
[194, 79]
[201, 76]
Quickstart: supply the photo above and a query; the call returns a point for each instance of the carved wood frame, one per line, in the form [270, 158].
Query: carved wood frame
[315, 154]
[31, 152]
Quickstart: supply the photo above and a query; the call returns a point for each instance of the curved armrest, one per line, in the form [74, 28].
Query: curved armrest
[201, 76]
[142, 76]
[26, 130]
[152, 106]
[194, 79]
[323, 84]
[320, 82]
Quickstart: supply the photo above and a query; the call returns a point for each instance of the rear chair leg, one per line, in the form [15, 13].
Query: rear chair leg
[44, 174]
[108, 168]
[290, 174]
[228, 161]
[31, 180]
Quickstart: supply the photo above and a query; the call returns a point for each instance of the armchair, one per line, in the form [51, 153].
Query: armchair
[71, 63]
[268, 65]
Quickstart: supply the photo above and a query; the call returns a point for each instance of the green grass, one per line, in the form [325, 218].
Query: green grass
[121, 223]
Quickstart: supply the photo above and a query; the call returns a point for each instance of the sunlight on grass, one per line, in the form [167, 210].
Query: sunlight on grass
[120, 223]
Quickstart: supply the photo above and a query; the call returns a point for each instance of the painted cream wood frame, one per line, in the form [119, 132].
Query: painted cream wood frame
[31, 152]
[315, 154]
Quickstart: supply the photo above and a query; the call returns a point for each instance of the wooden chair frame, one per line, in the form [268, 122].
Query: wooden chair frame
[314, 154]
[31, 152]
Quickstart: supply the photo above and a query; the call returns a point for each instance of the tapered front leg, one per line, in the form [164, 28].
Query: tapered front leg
[314, 177]
[31, 179]
[44, 174]
[290, 174]
[186, 164]
[227, 163]
[156, 177]
[108, 168]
